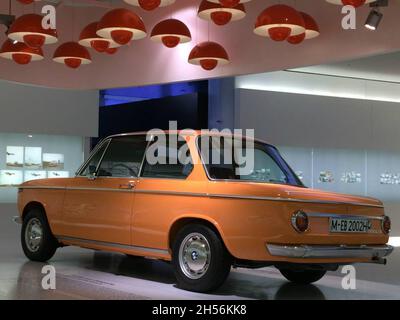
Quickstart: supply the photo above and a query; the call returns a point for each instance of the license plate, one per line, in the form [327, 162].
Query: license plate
[358, 225]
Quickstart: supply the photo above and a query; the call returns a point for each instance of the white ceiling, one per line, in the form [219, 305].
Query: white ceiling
[385, 67]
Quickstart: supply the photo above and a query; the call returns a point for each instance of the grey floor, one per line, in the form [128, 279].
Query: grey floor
[86, 274]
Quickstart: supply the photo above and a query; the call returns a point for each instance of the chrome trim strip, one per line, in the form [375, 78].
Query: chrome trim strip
[17, 219]
[228, 196]
[173, 193]
[102, 157]
[112, 245]
[92, 153]
[144, 155]
[339, 216]
[78, 188]
[339, 251]
[292, 200]
[42, 187]
[98, 189]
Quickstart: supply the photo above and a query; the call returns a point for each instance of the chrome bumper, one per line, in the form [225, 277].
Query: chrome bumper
[318, 251]
[17, 219]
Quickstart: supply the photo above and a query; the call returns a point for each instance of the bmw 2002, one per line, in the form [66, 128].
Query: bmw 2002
[203, 216]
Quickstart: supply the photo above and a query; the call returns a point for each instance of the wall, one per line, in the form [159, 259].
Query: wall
[221, 99]
[319, 121]
[30, 109]
[55, 120]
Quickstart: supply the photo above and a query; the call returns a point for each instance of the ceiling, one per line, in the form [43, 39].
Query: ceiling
[145, 62]
[384, 67]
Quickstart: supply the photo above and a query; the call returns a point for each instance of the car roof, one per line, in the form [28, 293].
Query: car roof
[188, 132]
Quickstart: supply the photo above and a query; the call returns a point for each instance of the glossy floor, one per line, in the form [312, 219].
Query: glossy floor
[86, 274]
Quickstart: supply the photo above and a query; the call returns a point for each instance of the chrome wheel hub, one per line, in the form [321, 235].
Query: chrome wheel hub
[33, 234]
[194, 255]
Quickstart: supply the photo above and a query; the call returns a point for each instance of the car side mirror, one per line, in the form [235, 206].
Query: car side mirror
[92, 176]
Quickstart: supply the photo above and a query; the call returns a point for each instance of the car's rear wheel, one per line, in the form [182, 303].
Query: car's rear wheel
[302, 276]
[38, 242]
[200, 260]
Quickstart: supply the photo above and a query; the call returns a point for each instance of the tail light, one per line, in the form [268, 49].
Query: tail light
[386, 225]
[300, 221]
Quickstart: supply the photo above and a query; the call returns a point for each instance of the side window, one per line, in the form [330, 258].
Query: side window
[91, 166]
[172, 162]
[123, 157]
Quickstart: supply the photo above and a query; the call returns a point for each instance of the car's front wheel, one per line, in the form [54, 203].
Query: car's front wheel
[200, 260]
[38, 242]
[302, 276]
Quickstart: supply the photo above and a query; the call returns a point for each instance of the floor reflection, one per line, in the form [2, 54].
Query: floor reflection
[291, 291]
[86, 274]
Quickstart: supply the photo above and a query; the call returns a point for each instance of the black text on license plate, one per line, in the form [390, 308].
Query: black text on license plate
[349, 225]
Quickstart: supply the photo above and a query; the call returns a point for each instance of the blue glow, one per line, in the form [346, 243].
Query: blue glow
[109, 97]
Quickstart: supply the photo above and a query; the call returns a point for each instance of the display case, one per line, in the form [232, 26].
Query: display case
[25, 157]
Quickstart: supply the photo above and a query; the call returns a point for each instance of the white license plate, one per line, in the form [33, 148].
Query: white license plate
[358, 225]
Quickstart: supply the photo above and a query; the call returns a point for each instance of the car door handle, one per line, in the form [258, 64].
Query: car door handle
[129, 185]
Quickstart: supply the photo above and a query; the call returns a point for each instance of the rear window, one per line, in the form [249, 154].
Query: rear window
[228, 158]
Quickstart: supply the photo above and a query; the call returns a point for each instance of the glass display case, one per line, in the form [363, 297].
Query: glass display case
[25, 157]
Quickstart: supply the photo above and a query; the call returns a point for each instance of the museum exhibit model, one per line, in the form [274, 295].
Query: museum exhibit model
[180, 211]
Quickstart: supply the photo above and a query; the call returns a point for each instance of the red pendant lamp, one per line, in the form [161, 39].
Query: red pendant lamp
[122, 26]
[279, 22]
[20, 52]
[90, 39]
[297, 39]
[312, 30]
[72, 54]
[171, 32]
[150, 4]
[208, 55]
[354, 3]
[28, 29]
[229, 3]
[219, 14]
[111, 50]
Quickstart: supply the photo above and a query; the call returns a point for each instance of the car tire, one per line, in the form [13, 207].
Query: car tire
[302, 276]
[200, 260]
[38, 242]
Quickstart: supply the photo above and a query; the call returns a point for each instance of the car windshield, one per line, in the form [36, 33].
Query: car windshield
[228, 158]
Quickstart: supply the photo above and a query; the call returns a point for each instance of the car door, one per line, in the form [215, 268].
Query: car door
[98, 202]
[166, 190]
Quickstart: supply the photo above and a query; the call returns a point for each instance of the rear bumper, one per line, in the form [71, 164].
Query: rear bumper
[318, 251]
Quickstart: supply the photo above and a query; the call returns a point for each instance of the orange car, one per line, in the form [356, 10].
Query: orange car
[202, 209]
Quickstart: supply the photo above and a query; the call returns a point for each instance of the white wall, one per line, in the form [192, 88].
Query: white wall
[321, 85]
[316, 121]
[30, 109]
